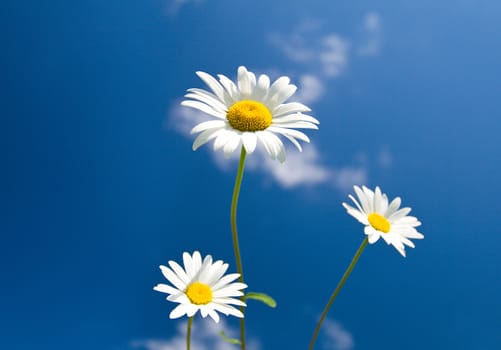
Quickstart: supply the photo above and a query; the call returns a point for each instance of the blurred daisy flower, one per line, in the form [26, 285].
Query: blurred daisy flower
[383, 219]
[201, 286]
[249, 112]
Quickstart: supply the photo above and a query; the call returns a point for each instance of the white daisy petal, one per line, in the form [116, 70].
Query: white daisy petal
[373, 238]
[289, 132]
[377, 200]
[214, 315]
[188, 265]
[263, 139]
[369, 230]
[179, 271]
[217, 271]
[281, 96]
[223, 138]
[399, 214]
[369, 194]
[172, 277]
[245, 82]
[211, 124]
[225, 280]
[400, 247]
[227, 310]
[407, 242]
[295, 117]
[204, 311]
[210, 101]
[178, 311]
[213, 84]
[208, 94]
[364, 202]
[356, 203]
[197, 261]
[201, 286]
[231, 90]
[229, 301]
[205, 136]
[297, 125]
[261, 89]
[179, 297]
[394, 205]
[290, 108]
[209, 274]
[249, 140]
[232, 145]
[164, 288]
[191, 309]
[294, 142]
[356, 214]
[204, 108]
[384, 219]
[279, 85]
[276, 146]
[227, 292]
[249, 112]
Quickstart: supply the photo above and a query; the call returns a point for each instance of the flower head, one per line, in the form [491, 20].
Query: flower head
[384, 220]
[249, 112]
[201, 286]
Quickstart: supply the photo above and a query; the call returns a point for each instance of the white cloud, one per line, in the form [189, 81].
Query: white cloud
[344, 178]
[335, 337]
[372, 32]
[310, 90]
[334, 54]
[306, 169]
[204, 336]
[310, 46]
[300, 168]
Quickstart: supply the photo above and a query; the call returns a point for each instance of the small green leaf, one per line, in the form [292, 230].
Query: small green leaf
[229, 340]
[264, 298]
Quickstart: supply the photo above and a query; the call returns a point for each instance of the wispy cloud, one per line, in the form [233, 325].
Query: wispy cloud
[334, 54]
[183, 119]
[372, 35]
[311, 89]
[174, 6]
[300, 168]
[308, 169]
[344, 178]
[385, 158]
[204, 336]
[315, 49]
[335, 337]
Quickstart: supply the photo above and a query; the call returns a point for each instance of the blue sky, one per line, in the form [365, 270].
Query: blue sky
[99, 185]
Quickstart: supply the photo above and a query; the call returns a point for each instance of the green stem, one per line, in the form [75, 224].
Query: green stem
[336, 292]
[188, 333]
[234, 234]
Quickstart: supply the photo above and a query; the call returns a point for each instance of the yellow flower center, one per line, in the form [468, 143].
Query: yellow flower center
[379, 222]
[247, 115]
[199, 293]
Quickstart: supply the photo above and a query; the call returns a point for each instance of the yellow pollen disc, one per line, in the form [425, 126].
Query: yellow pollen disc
[199, 293]
[247, 115]
[379, 222]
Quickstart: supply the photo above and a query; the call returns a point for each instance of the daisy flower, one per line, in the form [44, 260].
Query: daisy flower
[201, 286]
[384, 220]
[249, 112]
